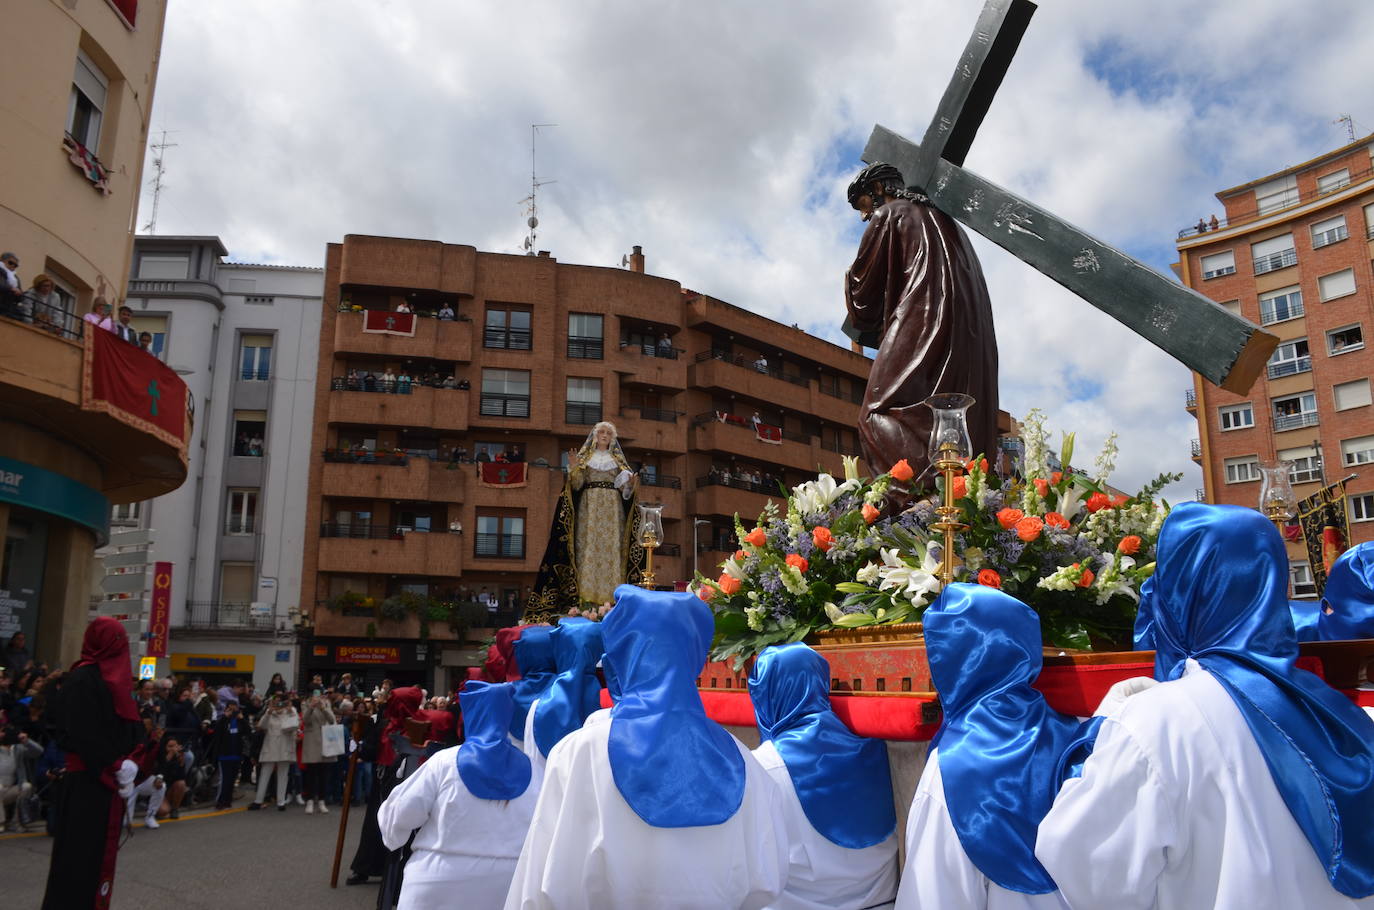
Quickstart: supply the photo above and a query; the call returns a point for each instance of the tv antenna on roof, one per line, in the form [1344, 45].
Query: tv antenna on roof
[531, 209]
[159, 149]
[1349, 125]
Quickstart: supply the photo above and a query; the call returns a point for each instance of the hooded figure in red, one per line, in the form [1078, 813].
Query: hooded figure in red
[97, 725]
[400, 705]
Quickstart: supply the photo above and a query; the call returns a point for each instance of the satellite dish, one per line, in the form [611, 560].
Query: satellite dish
[527, 243]
[533, 222]
[624, 261]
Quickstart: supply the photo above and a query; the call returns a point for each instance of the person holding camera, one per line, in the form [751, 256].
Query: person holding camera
[171, 770]
[318, 715]
[279, 725]
[227, 742]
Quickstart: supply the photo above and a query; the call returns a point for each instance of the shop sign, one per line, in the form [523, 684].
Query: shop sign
[25, 484]
[212, 663]
[319, 651]
[368, 654]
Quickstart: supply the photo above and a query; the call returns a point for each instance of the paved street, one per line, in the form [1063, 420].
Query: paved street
[210, 861]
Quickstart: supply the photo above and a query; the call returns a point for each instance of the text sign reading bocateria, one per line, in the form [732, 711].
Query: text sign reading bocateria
[348, 654]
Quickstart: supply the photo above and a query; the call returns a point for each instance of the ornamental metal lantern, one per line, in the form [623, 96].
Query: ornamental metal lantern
[1277, 500]
[950, 447]
[650, 538]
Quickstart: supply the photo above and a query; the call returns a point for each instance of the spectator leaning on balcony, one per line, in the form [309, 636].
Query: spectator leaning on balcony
[10, 291]
[446, 311]
[124, 328]
[100, 314]
[145, 343]
[403, 307]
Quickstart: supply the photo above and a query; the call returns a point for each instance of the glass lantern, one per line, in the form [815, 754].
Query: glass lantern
[1277, 500]
[949, 439]
[650, 525]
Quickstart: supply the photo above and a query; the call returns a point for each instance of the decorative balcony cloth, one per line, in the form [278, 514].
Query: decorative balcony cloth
[767, 433]
[386, 322]
[498, 474]
[135, 388]
[88, 164]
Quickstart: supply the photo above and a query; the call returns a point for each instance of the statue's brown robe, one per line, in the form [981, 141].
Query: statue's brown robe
[916, 291]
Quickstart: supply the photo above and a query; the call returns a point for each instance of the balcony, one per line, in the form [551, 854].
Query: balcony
[396, 478]
[797, 451]
[647, 366]
[1196, 449]
[214, 616]
[379, 550]
[717, 370]
[440, 339]
[714, 498]
[1200, 495]
[1294, 199]
[586, 347]
[660, 429]
[1289, 367]
[439, 409]
[1190, 399]
[1284, 422]
[1275, 261]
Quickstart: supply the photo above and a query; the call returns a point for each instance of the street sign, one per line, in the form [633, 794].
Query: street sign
[147, 667]
[128, 583]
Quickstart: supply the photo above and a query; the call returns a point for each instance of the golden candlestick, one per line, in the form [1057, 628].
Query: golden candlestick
[951, 446]
[947, 462]
[650, 538]
[650, 543]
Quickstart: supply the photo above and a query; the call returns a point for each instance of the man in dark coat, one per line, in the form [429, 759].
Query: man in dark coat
[916, 293]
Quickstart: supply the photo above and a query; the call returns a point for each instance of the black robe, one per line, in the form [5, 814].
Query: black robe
[89, 814]
[916, 292]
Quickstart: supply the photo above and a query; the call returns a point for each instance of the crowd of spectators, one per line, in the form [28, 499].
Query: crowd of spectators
[401, 383]
[43, 306]
[748, 478]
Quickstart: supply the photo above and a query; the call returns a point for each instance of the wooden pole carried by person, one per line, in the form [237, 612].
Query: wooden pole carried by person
[359, 719]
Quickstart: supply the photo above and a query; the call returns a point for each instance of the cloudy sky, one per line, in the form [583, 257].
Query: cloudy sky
[720, 136]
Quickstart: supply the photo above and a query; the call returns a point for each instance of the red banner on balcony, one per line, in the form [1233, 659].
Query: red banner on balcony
[135, 388]
[768, 434]
[501, 474]
[160, 614]
[128, 11]
[385, 322]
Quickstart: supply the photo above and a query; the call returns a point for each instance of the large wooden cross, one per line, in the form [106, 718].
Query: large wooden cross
[1224, 348]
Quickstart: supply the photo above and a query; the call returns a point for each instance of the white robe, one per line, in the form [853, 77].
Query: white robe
[1177, 810]
[530, 747]
[466, 846]
[588, 850]
[822, 875]
[938, 874]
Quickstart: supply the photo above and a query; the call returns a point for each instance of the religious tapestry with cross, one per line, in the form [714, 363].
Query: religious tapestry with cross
[135, 387]
[386, 322]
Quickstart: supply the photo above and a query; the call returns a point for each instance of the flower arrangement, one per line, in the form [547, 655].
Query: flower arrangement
[1060, 540]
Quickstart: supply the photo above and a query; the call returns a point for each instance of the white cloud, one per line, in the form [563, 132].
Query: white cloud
[721, 136]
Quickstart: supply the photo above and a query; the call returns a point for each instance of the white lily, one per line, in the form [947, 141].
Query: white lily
[833, 613]
[898, 575]
[851, 467]
[868, 574]
[733, 568]
[1070, 501]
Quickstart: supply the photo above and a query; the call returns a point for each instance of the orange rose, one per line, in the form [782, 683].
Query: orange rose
[1097, 502]
[1130, 545]
[1087, 578]
[729, 584]
[1056, 477]
[960, 487]
[756, 538]
[798, 561]
[981, 464]
[990, 578]
[1120, 500]
[1029, 528]
[1055, 520]
[1042, 487]
[823, 540]
[706, 592]
[901, 471]
[871, 513]
[1008, 517]
[740, 556]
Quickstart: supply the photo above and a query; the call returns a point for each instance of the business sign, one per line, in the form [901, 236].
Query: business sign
[367, 654]
[160, 613]
[212, 663]
[25, 484]
[147, 667]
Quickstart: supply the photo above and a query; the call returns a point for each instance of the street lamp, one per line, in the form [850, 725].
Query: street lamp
[696, 523]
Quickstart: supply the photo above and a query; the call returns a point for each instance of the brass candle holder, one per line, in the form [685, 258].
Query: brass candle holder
[1277, 500]
[950, 446]
[650, 538]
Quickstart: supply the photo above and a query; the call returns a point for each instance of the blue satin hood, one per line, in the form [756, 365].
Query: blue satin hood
[675, 767]
[842, 779]
[1306, 616]
[575, 692]
[1350, 596]
[534, 656]
[1002, 749]
[1220, 597]
[489, 765]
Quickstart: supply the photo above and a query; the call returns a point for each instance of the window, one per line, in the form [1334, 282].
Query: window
[86, 107]
[1280, 305]
[1231, 306]
[127, 514]
[1273, 254]
[1300, 574]
[1277, 194]
[1239, 470]
[1353, 394]
[1362, 507]
[237, 583]
[584, 400]
[585, 336]
[1237, 416]
[1359, 450]
[255, 358]
[1303, 465]
[243, 512]
[505, 393]
[250, 428]
[500, 536]
[157, 327]
[1219, 264]
[1293, 411]
[1337, 284]
[1336, 180]
[166, 267]
[1290, 358]
[507, 329]
[1369, 220]
[1325, 233]
[412, 520]
[1347, 338]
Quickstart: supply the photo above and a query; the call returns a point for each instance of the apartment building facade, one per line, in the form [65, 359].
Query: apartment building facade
[534, 354]
[1293, 254]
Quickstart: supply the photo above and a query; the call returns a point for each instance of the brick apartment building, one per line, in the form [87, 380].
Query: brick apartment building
[1293, 255]
[539, 352]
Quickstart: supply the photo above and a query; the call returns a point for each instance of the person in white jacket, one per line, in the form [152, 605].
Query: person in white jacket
[280, 724]
[469, 807]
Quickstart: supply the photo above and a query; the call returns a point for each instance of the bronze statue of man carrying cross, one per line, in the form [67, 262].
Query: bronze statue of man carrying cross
[890, 302]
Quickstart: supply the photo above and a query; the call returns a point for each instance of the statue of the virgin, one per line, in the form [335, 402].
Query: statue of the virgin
[593, 543]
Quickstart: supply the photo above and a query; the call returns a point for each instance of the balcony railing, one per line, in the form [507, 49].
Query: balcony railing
[666, 481]
[374, 532]
[392, 386]
[1200, 495]
[1281, 309]
[51, 318]
[1290, 367]
[495, 404]
[667, 351]
[500, 546]
[364, 456]
[228, 616]
[769, 486]
[1190, 399]
[660, 414]
[1326, 238]
[258, 374]
[1294, 421]
[506, 339]
[839, 447]
[1275, 261]
[855, 395]
[240, 524]
[585, 347]
[1196, 448]
[582, 412]
[1295, 199]
[760, 365]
